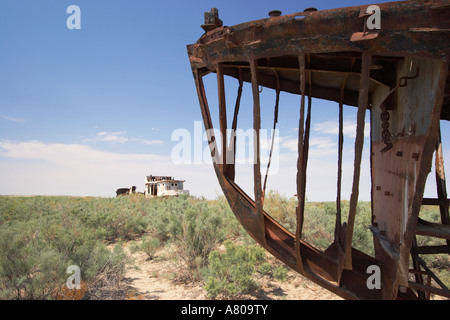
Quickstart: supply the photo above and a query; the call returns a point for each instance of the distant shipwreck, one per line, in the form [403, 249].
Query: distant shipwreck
[157, 186]
[163, 186]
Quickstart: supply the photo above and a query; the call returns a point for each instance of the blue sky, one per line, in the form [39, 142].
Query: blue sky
[84, 112]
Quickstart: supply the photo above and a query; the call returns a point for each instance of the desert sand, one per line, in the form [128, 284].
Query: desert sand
[156, 279]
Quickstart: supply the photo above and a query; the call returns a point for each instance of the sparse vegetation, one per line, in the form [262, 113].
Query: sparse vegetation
[231, 273]
[41, 236]
[149, 246]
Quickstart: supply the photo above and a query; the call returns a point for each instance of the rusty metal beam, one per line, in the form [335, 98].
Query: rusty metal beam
[317, 91]
[232, 146]
[425, 288]
[430, 229]
[222, 115]
[337, 228]
[441, 184]
[301, 170]
[432, 275]
[204, 108]
[427, 152]
[418, 275]
[256, 137]
[435, 202]
[432, 249]
[275, 121]
[359, 141]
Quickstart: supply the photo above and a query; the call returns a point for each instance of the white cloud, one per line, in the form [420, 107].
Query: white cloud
[64, 153]
[17, 120]
[108, 137]
[150, 142]
[35, 167]
[120, 137]
[289, 143]
[322, 145]
[332, 127]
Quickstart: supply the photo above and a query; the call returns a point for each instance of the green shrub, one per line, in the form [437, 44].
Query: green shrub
[29, 269]
[282, 209]
[104, 272]
[280, 273]
[111, 218]
[40, 237]
[265, 268]
[194, 227]
[149, 246]
[231, 273]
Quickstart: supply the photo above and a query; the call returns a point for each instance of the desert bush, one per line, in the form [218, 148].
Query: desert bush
[104, 273]
[282, 209]
[112, 218]
[32, 267]
[265, 268]
[231, 225]
[148, 246]
[29, 269]
[194, 226]
[200, 231]
[40, 238]
[231, 273]
[280, 273]
[165, 217]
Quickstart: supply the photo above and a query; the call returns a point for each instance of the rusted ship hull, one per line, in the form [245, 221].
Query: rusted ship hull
[398, 74]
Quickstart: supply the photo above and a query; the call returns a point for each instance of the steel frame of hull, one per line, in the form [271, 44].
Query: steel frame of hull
[300, 48]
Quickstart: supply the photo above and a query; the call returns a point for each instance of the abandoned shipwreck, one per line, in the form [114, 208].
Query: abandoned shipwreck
[158, 186]
[163, 186]
[397, 74]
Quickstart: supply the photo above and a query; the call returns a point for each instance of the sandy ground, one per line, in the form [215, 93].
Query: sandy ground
[155, 280]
